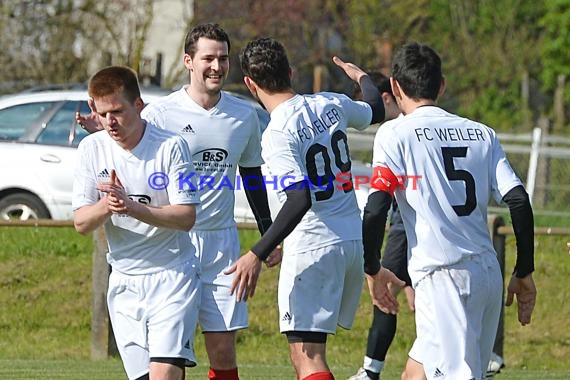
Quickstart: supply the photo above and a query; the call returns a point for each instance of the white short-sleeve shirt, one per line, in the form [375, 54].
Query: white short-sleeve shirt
[306, 139]
[220, 139]
[136, 247]
[448, 168]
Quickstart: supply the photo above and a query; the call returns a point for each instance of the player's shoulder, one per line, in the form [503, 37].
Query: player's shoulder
[474, 124]
[163, 103]
[237, 105]
[389, 127]
[393, 123]
[328, 96]
[96, 138]
[321, 101]
[237, 102]
[156, 133]
[164, 139]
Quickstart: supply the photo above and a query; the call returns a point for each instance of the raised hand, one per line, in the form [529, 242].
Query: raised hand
[354, 72]
[90, 122]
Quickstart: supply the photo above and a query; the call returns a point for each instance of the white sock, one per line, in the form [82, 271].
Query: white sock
[372, 365]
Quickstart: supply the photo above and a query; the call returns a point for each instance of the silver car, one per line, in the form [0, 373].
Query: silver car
[38, 141]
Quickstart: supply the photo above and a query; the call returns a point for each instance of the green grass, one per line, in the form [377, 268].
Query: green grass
[45, 314]
[112, 370]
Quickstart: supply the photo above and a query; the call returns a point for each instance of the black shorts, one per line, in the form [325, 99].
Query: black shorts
[395, 257]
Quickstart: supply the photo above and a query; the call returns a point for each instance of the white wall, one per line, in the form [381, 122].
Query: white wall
[167, 33]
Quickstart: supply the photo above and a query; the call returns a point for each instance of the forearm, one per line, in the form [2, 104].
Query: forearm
[523, 226]
[295, 207]
[371, 96]
[373, 227]
[256, 195]
[87, 219]
[176, 217]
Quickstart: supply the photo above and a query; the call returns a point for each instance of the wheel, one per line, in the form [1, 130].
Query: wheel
[22, 206]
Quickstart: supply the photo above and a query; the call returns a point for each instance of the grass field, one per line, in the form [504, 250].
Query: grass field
[112, 370]
[45, 275]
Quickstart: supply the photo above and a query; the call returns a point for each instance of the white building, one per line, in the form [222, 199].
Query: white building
[166, 37]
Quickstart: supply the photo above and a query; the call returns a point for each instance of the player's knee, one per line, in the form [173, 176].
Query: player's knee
[221, 350]
[306, 345]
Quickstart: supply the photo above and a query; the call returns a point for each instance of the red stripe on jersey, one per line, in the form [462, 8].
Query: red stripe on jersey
[383, 179]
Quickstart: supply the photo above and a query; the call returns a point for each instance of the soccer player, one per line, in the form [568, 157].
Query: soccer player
[223, 133]
[452, 263]
[305, 148]
[154, 291]
[395, 259]
[383, 328]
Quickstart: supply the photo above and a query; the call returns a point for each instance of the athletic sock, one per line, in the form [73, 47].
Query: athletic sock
[223, 374]
[320, 376]
[373, 367]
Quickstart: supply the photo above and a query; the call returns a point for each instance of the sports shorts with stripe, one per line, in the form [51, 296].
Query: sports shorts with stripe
[154, 315]
[217, 251]
[320, 289]
[457, 313]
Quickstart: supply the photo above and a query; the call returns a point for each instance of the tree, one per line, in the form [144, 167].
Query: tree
[555, 51]
[59, 41]
[377, 27]
[487, 48]
[310, 30]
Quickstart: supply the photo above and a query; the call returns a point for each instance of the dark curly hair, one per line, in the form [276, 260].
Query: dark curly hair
[265, 61]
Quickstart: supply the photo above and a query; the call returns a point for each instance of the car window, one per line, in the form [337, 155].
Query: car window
[80, 133]
[16, 121]
[61, 129]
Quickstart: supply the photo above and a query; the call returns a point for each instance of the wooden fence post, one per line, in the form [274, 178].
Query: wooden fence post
[102, 339]
[493, 223]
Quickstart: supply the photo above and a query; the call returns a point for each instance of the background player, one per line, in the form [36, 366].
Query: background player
[452, 263]
[383, 328]
[305, 144]
[153, 290]
[223, 132]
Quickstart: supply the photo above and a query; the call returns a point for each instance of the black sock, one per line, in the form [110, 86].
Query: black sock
[381, 334]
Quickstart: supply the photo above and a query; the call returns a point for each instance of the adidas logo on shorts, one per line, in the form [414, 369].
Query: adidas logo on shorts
[438, 373]
[287, 317]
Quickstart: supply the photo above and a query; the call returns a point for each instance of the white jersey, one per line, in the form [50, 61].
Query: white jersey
[220, 139]
[449, 168]
[134, 246]
[306, 140]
